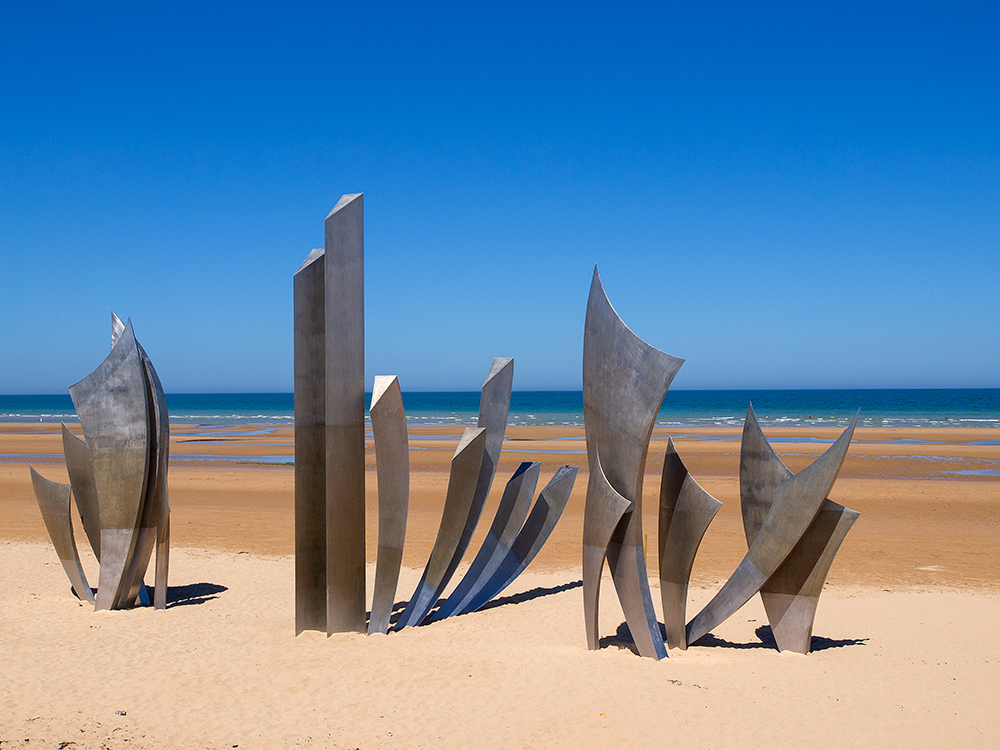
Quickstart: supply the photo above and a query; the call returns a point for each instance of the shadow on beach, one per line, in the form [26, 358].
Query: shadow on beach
[524, 596]
[623, 639]
[191, 593]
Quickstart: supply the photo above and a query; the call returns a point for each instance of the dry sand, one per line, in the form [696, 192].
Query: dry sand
[906, 650]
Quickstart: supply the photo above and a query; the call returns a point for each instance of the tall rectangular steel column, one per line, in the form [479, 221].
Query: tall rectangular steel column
[345, 416]
[309, 285]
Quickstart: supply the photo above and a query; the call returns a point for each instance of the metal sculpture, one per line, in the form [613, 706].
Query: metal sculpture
[464, 504]
[393, 471]
[541, 521]
[791, 594]
[54, 502]
[624, 381]
[309, 285]
[686, 510]
[494, 406]
[511, 512]
[330, 438]
[797, 501]
[466, 465]
[119, 473]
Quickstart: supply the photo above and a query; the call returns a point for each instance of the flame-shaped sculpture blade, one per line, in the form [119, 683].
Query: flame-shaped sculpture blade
[81, 477]
[513, 509]
[393, 472]
[544, 516]
[466, 464]
[624, 381]
[54, 502]
[686, 510]
[791, 594]
[111, 403]
[795, 506]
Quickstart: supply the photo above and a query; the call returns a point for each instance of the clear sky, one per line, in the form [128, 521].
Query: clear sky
[799, 196]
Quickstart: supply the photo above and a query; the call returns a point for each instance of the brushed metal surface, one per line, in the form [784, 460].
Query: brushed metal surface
[392, 465]
[117, 329]
[509, 519]
[686, 510]
[796, 504]
[113, 409]
[624, 381]
[309, 295]
[162, 563]
[81, 477]
[54, 503]
[155, 503]
[544, 516]
[603, 512]
[494, 406]
[466, 465]
[346, 606]
[791, 594]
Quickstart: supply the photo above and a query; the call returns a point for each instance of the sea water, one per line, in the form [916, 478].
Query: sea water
[937, 407]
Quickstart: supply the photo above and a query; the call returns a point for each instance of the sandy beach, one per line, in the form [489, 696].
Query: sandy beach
[905, 643]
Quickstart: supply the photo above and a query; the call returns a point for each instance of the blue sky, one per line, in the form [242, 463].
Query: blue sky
[803, 196]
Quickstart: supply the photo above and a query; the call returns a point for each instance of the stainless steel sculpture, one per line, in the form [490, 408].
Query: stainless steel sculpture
[511, 512]
[466, 465]
[791, 594]
[330, 427]
[393, 470]
[686, 510]
[81, 477]
[54, 502]
[796, 504]
[119, 473]
[494, 406]
[345, 416]
[309, 285]
[541, 521]
[464, 504]
[112, 407]
[624, 381]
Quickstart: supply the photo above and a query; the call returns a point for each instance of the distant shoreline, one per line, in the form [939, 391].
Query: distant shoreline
[918, 407]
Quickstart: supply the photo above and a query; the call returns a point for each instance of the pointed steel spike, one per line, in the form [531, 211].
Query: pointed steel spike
[513, 509]
[392, 464]
[494, 407]
[53, 502]
[117, 328]
[796, 504]
[624, 381]
[466, 464]
[112, 406]
[761, 473]
[544, 516]
[686, 510]
[81, 477]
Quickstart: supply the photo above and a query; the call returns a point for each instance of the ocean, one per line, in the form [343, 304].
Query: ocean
[938, 407]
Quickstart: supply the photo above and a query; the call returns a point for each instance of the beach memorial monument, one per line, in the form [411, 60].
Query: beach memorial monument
[118, 475]
[328, 292]
[793, 531]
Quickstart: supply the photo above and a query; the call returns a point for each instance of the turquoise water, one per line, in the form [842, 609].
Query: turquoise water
[957, 407]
